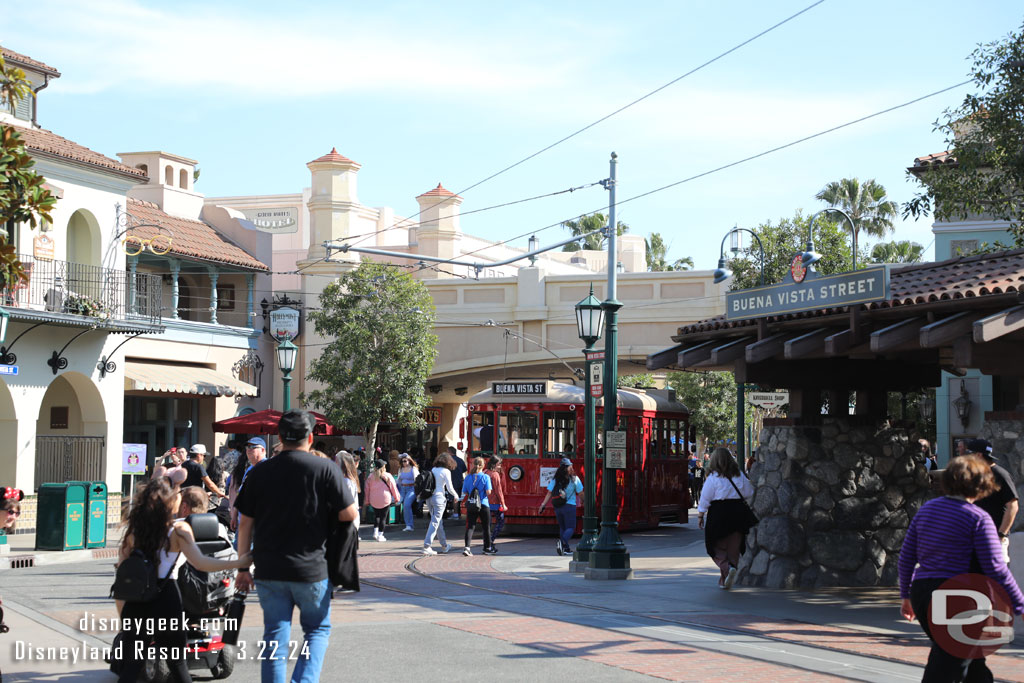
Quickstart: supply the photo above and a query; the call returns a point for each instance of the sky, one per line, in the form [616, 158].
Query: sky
[454, 92]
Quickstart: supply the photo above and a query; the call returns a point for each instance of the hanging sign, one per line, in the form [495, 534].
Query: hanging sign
[519, 388]
[597, 380]
[804, 290]
[768, 399]
[615, 450]
[133, 458]
[42, 248]
[284, 323]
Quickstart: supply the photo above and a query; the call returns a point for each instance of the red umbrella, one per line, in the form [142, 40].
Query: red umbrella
[265, 422]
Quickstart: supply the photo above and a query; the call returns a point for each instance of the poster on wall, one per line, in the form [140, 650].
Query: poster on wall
[133, 458]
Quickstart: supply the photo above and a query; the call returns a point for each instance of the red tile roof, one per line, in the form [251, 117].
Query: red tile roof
[24, 60]
[189, 238]
[965, 277]
[334, 156]
[439, 191]
[936, 159]
[47, 142]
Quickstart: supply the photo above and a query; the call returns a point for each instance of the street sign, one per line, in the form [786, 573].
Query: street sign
[597, 380]
[594, 355]
[810, 292]
[519, 388]
[8, 369]
[768, 399]
[616, 458]
[615, 439]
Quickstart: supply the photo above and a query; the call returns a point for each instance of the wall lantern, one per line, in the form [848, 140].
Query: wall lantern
[5, 318]
[926, 407]
[962, 405]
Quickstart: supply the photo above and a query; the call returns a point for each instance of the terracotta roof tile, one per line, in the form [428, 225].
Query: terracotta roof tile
[48, 142]
[959, 278]
[936, 159]
[190, 238]
[439, 191]
[334, 156]
[24, 60]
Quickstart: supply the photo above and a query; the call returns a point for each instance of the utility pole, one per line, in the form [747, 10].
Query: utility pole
[609, 559]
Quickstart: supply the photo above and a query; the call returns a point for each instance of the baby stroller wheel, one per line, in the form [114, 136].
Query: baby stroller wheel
[225, 663]
[155, 671]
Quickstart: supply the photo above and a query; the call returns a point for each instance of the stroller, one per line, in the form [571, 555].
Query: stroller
[208, 600]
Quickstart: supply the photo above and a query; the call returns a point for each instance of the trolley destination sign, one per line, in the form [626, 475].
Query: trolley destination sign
[811, 293]
[519, 388]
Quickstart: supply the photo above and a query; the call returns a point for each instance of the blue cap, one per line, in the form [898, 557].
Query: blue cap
[256, 441]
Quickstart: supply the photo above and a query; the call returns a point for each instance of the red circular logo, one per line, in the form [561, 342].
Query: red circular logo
[797, 269]
[970, 616]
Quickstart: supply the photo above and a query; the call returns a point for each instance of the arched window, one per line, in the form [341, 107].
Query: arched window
[144, 168]
[169, 176]
[183, 179]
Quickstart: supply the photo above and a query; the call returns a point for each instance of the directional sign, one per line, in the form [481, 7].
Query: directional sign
[768, 399]
[594, 355]
[597, 380]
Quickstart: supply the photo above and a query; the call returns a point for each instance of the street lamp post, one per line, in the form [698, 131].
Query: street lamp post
[589, 321]
[810, 256]
[286, 352]
[609, 559]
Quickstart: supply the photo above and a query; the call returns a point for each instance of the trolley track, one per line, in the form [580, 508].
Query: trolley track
[787, 654]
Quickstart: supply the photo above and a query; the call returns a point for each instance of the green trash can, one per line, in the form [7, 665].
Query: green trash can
[96, 525]
[61, 516]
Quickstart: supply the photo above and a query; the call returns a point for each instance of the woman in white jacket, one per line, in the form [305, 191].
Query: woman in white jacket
[722, 502]
[442, 472]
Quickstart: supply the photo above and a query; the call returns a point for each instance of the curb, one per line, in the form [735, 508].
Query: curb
[23, 561]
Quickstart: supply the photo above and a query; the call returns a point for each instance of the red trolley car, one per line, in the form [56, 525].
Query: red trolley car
[535, 428]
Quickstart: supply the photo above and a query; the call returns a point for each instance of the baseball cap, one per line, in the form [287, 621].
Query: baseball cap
[566, 461]
[256, 441]
[197, 448]
[295, 425]
[378, 463]
[979, 446]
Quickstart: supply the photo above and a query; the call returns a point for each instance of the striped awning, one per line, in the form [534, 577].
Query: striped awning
[183, 379]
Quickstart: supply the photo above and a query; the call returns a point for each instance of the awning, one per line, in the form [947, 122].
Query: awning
[183, 379]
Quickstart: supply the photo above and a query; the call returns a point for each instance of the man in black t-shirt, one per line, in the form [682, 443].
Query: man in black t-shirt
[286, 507]
[1001, 505]
[197, 475]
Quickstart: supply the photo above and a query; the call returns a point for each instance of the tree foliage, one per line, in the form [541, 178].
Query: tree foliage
[23, 196]
[897, 251]
[378, 323]
[581, 226]
[784, 240]
[636, 381]
[711, 398]
[657, 256]
[866, 203]
[985, 140]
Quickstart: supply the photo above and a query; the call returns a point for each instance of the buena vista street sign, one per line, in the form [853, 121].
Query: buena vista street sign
[805, 290]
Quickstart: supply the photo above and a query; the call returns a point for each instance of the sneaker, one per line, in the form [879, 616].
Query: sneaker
[558, 548]
[490, 551]
[730, 578]
[568, 550]
[446, 548]
[381, 539]
[467, 552]
[429, 551]
[376, 535]
[408, 528]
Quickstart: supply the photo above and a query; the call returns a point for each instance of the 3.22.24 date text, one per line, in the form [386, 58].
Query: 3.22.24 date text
[272, 649]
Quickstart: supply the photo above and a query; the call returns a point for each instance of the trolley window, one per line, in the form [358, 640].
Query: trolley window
[559, 434]
[483, 432]
[519, 434]
[674, 438]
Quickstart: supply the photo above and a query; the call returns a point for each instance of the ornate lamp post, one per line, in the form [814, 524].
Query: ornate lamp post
[589, 322]
[5, 318]
[286, 352]
[810, 256]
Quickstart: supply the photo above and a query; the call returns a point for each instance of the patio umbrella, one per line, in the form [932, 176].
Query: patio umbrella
[265, 422]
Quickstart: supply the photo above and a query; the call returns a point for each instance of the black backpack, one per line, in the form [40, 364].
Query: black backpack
[474, 501]
[424, 485]
[136, 579]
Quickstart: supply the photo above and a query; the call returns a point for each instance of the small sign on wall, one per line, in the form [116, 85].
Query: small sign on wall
[42, 248]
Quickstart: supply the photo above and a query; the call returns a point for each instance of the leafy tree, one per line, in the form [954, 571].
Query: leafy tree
[711, 398]
[380, 352]
[23, 197]
[866, 204]
[636, 381]
[657, 256]
[595, 221]
[984, 171]
[897, 251]
[784, 240]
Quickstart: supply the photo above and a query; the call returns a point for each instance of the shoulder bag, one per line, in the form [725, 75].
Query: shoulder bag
[749, 519]
[136, 579]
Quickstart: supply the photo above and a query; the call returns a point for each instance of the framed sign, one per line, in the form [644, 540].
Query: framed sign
[547, 475]
[42, 247]
[615, 450]
[133, 458]
[284, 323]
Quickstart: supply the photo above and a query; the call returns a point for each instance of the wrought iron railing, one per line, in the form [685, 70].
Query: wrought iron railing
[91, 291]
[69, 458]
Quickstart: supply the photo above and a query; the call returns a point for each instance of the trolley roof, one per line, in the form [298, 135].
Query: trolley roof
[557, 392]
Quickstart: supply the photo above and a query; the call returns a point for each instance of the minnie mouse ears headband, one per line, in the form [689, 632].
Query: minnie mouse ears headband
[11, 492]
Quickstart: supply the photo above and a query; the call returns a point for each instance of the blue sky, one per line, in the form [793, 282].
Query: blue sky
[451, 92]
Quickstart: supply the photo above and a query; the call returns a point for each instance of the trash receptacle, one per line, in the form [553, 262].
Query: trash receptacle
[61, 516]
[96, 525]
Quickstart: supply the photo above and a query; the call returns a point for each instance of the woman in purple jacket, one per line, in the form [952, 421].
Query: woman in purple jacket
[948, 537]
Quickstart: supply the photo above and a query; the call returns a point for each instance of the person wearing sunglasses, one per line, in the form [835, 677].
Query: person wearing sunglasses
[407, 474]
[10, 510]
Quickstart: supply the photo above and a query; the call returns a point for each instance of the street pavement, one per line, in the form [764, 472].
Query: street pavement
[521, 616]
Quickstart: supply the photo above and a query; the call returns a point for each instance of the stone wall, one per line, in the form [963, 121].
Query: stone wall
[1005, 431]
[834, 502]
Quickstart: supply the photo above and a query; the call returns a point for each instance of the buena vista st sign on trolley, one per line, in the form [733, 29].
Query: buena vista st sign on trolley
[805, 290]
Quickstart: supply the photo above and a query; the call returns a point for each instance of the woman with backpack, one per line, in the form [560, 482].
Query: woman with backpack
[154, 535]
[381, 492]
[407, 487]
[436, 491]
[562, 490]
[475, 488]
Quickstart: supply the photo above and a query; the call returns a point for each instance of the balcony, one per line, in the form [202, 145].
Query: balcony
[80, 294]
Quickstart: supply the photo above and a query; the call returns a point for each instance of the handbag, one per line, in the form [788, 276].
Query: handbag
[560, 498]
[749, 520]
[136, 579]
[342, 559]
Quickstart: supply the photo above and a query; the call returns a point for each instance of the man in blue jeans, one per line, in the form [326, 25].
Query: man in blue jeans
[285, 510]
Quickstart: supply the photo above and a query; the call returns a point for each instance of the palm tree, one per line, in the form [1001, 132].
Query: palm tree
[657, 256]
[582, 226]
[872, 212]
[899, 251]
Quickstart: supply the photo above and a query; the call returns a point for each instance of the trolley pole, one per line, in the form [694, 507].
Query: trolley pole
[609, 559]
